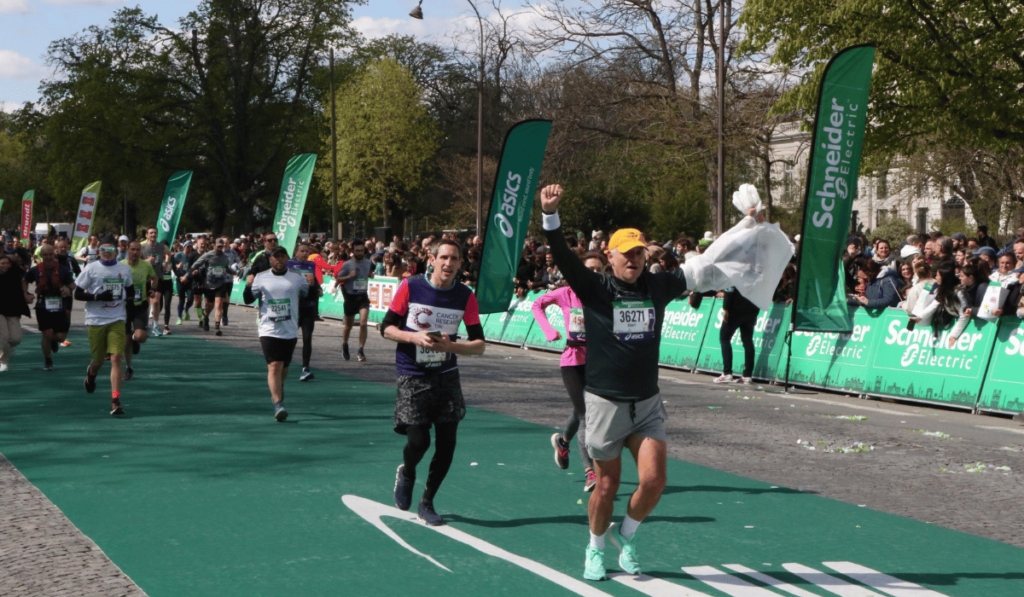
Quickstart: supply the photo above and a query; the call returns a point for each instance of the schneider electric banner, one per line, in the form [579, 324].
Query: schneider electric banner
[831, 188]
[514, 188]
[84, 220]
[172, 206]
[292, 200]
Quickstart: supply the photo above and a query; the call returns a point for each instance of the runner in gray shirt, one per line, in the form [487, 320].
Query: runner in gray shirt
[219, 271]
[355, 274]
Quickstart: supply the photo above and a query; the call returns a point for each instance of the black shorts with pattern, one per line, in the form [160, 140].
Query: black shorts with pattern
[428, 399]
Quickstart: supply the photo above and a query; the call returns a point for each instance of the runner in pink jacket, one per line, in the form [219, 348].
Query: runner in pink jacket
[573, 363]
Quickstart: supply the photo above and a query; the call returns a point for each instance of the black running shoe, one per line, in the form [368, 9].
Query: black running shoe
[428, 516]
[360, 355]
[561, 450]
[136, 347]
[218, 333]
[54, 346]
[280, 414]
[90, 382]
[206, 325]
[403, 489]
[344, 352]
[129, 374]
[48, 366]
[115, 408]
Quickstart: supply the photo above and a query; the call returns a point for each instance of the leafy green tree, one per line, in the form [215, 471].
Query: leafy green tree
[226, 93]
[947, 71]
[386, 141]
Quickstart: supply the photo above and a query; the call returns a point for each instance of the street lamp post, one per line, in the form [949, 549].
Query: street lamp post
[720, 218]
[417, 13]
[336, 230]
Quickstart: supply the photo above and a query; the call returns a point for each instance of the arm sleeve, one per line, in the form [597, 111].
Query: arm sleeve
[472, 315]
[888, 295]
[251, 292]
[580, 279]
[539, 311]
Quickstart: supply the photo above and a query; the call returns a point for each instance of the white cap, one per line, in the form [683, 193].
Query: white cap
[122, 238]
[797, 238]
[708, 235]
[909, 251]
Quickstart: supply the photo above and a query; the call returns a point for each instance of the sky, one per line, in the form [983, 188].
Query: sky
[28, 26]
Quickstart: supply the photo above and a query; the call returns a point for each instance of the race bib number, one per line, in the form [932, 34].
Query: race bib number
[279, 309]
[360, 285]
[577, 332]
[53, 304]
[426, 356]
[633, 321]
[217, 272]
[115, 285]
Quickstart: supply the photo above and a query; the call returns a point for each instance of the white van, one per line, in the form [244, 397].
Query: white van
[59, 227]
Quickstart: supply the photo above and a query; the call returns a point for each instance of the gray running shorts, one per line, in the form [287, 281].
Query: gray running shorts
[610, 423]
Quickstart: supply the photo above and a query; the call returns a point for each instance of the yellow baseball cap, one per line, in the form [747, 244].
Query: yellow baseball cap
[626, 239]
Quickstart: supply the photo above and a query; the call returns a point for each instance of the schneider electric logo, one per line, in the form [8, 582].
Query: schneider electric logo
[924, 349]
[511, 205]
[850, 345]
[840, 138]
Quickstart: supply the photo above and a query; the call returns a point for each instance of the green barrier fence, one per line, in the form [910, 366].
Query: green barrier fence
[683, 333]
[879, 358]
[769, 335]
[1003, 390]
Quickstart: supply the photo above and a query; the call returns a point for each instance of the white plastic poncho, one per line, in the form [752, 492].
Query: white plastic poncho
[750, 257]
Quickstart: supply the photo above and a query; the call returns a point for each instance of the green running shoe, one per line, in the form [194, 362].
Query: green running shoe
[187, 316]
[628, 559]
[594, 567]
[179, 320]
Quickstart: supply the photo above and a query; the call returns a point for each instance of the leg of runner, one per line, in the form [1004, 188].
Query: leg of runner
[444, 452]
[346, 329]
[218, 302]
[276, 374]
[364, 318]
[166, 300]
[226, 304]
[307, 321]
[10, 336]
[747, 337]
[48, 341]
[137, 338]
[154, 313]
[574, 379]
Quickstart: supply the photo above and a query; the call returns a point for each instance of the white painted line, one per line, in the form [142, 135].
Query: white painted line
[882, 582]
[726, 583]
[829, 583]
[654, 587]
[772, 582]
[859, 407]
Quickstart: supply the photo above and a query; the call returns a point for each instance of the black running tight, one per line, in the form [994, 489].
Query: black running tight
[575, 379]
[307, 323]
[444, 451]
[166, 300]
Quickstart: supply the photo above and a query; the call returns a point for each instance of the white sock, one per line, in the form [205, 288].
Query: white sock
[628, 528]
[597, 541]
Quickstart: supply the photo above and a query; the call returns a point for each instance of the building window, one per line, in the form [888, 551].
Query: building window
[883, 184]
[922, 220]
[854, 216]
[880, 216]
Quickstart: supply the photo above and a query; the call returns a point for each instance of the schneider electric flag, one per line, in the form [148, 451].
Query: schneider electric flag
[514, 188]
[86, 211]
[172, 206]
[831, 188]
[26, 216]
[294, 188]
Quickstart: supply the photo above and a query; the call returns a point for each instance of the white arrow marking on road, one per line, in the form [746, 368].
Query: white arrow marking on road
[654, 587]
[882, 582]
[372, 512]
[768, 580]
[726, 583]
[829, 583]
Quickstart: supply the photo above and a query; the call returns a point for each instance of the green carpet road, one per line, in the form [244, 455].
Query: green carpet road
[199, 492]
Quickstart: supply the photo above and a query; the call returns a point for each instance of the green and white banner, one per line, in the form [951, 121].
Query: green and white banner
[292, 199]
[26, 216]
[514, 188]
[86, 213]
[831, 188]
[172, 206]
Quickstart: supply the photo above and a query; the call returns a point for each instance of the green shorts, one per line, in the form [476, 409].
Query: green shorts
[106, 339]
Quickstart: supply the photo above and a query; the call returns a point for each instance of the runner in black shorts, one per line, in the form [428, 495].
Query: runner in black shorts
[279, 292]
[309, 310]
[53, 285]
[429, 393]
[354, 277]
[137, 306]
